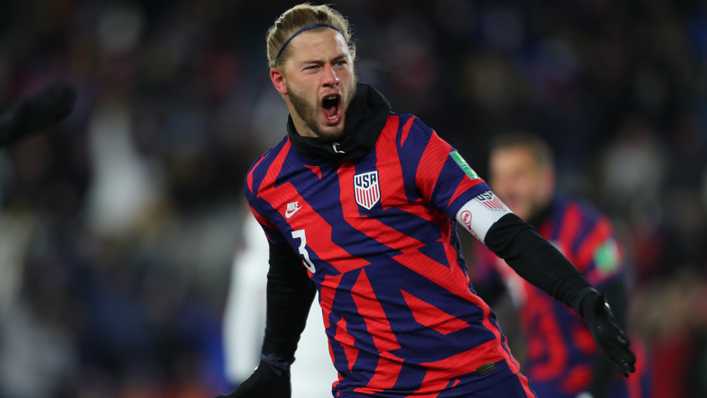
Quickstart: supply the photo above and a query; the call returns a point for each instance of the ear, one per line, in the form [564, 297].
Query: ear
[278, 80]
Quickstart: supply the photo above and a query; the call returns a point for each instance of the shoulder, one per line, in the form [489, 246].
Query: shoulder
[259, 168]
[408, 129]
[595, 247]
[412, 124]
[588, 222]
[582, 208]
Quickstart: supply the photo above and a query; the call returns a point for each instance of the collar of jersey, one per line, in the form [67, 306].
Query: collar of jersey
[365, 118]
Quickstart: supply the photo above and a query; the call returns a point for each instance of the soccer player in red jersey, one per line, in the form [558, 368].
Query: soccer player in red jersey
[360, 204]
[562, 359]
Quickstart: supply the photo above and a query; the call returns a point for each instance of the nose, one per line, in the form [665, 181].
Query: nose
[330, 77]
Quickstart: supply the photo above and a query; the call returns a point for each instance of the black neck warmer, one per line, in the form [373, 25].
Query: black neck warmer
[365, 118]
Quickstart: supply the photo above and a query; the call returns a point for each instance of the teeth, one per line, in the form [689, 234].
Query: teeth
[332, 117]
[331, 97]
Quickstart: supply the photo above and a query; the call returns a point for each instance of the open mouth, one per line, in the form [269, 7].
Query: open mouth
[331, 108]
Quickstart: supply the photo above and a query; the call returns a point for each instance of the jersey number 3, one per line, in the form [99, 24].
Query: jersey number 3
[299, 234]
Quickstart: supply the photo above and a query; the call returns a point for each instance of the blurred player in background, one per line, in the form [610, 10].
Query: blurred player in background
[37, 112]
[561, 359]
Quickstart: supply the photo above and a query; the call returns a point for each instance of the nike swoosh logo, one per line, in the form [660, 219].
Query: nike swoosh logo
[289, 214]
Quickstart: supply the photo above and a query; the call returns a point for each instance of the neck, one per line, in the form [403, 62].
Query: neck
[537, 218]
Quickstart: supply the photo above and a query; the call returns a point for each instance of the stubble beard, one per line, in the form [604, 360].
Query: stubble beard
[309, 113]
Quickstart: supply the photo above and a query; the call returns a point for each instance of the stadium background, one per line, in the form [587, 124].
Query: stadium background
[117, 231]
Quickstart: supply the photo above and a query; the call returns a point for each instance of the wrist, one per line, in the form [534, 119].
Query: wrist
[273, 366]
[584, 302]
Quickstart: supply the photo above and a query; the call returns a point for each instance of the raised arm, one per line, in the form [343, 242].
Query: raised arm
[540, 263]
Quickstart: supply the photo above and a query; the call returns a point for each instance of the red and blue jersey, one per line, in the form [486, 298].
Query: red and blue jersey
[560, 348]
[378, 238]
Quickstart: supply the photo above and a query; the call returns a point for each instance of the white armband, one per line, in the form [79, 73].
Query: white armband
[480, 213]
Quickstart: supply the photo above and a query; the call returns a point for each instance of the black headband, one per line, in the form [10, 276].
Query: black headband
[308, 27]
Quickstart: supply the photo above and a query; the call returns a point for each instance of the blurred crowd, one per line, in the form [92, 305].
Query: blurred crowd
[118, 229]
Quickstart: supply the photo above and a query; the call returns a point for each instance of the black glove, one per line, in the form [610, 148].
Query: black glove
[607, 334]
[37, 112]
[264, 383]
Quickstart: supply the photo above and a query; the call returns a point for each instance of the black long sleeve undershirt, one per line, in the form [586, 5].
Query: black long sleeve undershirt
[538, 261]
[289, 297]
[541, 264]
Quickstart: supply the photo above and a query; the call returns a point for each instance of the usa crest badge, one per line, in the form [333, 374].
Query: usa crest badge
[366, 189]
[491, 201]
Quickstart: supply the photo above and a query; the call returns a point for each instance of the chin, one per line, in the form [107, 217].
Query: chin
[331, 133]
[333, 137]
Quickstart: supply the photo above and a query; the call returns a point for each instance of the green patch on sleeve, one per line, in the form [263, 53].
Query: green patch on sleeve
[607, 257]
[464, 165]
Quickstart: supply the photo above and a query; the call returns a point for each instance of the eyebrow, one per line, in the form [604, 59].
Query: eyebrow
[319, 61]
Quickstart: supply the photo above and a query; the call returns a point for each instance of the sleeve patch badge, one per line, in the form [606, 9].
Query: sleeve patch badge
[464, 165]
[607, 257]
[490, 201]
